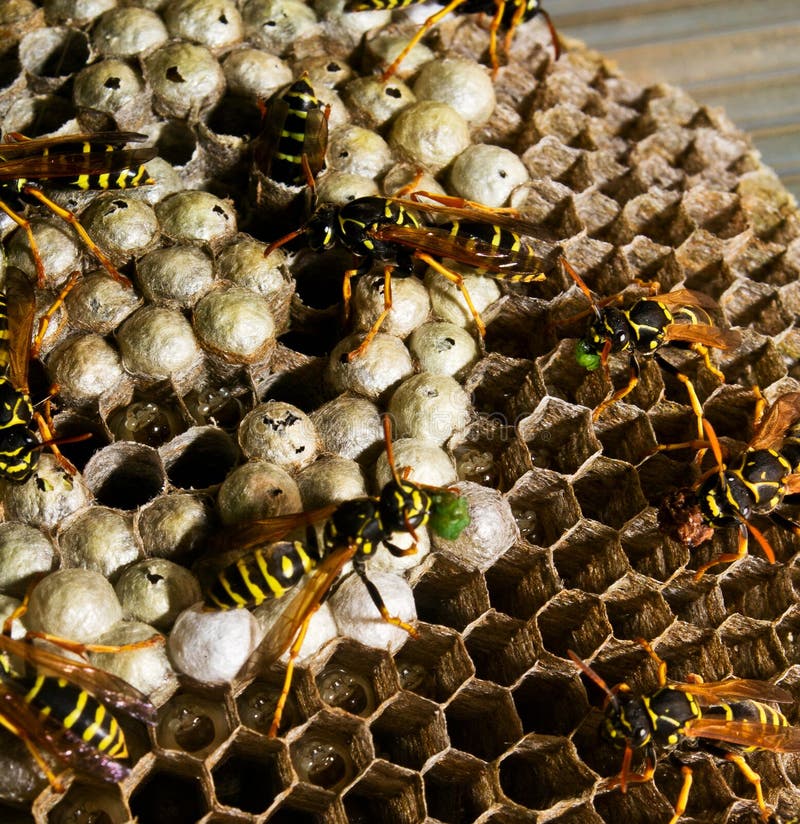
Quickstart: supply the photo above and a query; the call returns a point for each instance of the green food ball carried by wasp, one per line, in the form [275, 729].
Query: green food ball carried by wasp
[726, 718]
[393, 232]
[507, 15]
[755, 482]
[680, 317]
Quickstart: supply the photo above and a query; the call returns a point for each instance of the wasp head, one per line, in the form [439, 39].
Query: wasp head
[321, 228]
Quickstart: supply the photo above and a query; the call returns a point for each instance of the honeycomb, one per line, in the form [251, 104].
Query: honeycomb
[483, 718]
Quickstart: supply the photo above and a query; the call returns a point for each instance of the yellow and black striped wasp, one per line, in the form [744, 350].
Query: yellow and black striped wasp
[394, 232]
[63, 708]
[679, 317]
[74, 161]
[291, 146]
[507, 15]
[352, 531]
[19, 448]
[753, 483]
[727, 718]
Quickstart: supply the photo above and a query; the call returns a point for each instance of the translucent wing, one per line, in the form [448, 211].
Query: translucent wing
[746, 734]
[777, 419]
[53, 165]
[703, 333]
[735, 689]
[21, 305]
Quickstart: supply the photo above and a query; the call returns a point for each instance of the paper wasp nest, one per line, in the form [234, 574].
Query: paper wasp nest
[483, 718]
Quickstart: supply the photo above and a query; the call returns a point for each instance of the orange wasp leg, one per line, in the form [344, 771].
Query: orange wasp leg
[294, 651]
[347, 292]
[34, 751]
[44, 320]
[375, 328]
[683, 795]
[72, 219]
[454, 277]
[753, 777]
[25, 225]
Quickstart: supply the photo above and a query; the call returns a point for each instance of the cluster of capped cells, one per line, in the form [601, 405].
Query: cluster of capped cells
[216, 391]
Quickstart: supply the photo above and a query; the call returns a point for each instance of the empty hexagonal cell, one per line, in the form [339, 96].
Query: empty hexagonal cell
[125, 475]
[171, 793]
[788, 630]
[590, 557]
[559, 436]
[549, 698]
[89, 802]
[409, 730]
[435, 664]
[256, 703]
[754, 650]
[482, 720]
[626, 434]
[458, 788]
[356, 678]
[649, 552]
[333, 751]
[573, 620]
[642, 804]
[608, 491]
[192, 724]
[636, 609]
[306, 804]
[755, 361]
[710, 795]
[200, 457]
[695, 602]
[758, 590]
[522, 581]
[544, 505]
[249, 772]
[541, 771]
[385, 793]
[577, 814]
[447, 594]
[502, 648]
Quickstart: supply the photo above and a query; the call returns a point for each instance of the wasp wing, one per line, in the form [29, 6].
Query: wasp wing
[703, 333]
[777, 419]
[735, 689]
[686, 297]
[791, 484]
[95, 162]
[20, 306]
[301, 605]
[65, 746]
[746, 733]
[108, 688]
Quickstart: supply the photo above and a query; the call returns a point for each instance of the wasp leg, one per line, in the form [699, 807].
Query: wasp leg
[361, 571]
[453, 202]
[660, 662]
[705, 354]
[347, 291]
[34, 751]
[25, 225]
[454, 277]
[694, 401]
[626, 777]
[421, 32]
[49, 439]
[44, 320]
[727, 557]
[753, 777]
[375, 328]
[294, 651]
[72, 219]
[633, 379]
[683, 795]
[80, 649]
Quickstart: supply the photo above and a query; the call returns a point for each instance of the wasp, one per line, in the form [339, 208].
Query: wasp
[75, 161]
[679, 317]
[393, 231]
[728, 718]
[352, 531]
[507, 15]
[291, 147]
[19, 448]
[753, 483]
[64, 708]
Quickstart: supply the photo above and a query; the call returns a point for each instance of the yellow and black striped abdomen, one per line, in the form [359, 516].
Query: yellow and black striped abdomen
[749, 712]
[260, 575]
[77, 711]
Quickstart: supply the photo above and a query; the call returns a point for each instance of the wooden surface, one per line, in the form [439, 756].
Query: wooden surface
[743, 55]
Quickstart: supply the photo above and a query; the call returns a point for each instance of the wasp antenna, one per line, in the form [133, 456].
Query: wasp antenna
[592, 675]
[282, 241]
[580, 283]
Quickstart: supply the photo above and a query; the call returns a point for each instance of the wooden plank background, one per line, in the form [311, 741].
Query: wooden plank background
[743, 55]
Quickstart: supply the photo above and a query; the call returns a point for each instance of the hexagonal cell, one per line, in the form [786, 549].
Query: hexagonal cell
[482, 720]
[755, 361]
[333, 750]
[578, 814]
[754, 650]
[435, 664]
[458, 788]
[306, 804]
[88, 802]
[522, 581]
[356, 678]
[544, 505]
[710, 795]
[256, 703]
[788, 630]
[543, 770]
[592, 486]
[249, 772]
[447, 594]
[589, 557]
[626, 433]
[758, 591]
[573, 620]
[173, 793]
[502, 648]
[200, 457]
[642, 804]
[649, 552]
[636, 609]
[559, 436]
[15, 816]
[192, 724]
[386, 793]
[409, 730]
